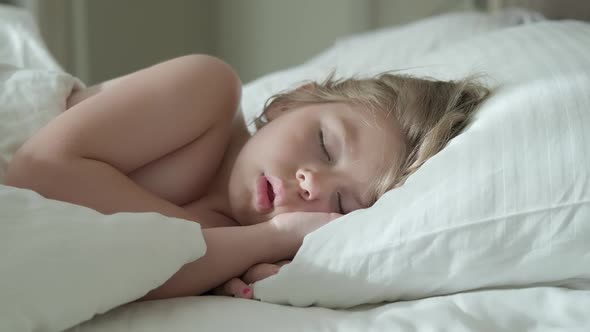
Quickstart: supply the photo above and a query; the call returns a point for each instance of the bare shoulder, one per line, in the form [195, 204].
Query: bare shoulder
[165, 126]
[190, 72]
[213, 90]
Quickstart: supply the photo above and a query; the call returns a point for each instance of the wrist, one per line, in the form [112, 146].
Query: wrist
[278, 245]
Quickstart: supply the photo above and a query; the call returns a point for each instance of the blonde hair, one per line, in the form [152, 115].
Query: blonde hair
[429, 113]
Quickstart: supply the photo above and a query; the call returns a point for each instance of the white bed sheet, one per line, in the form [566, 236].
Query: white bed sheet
[527, 309]
[522, 310]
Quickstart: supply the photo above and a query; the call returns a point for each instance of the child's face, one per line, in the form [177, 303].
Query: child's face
[284, 167]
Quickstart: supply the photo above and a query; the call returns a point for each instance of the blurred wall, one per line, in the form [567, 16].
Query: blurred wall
[258, 36]
[126, 35]
[100, 39]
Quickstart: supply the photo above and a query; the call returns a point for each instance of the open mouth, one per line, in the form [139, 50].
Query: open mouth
[264, 195]
[270, 192]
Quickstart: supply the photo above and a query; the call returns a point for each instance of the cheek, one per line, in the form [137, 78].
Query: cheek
[281, 144]
[281, 148]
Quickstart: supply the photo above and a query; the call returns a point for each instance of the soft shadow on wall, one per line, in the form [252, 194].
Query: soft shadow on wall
[100, 39]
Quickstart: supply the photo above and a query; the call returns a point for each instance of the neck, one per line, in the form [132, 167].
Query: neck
[218, 193]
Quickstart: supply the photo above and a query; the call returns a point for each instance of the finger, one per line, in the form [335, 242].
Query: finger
[224, 289]
[219, 291]
[236, 288]
[259, 272]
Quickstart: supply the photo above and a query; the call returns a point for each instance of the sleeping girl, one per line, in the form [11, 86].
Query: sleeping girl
[170, 139]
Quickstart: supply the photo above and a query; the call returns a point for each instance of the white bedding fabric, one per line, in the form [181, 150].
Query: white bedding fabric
[461, 224]
[514, 310]
[60, 264]
[33, 85]
[506, 204]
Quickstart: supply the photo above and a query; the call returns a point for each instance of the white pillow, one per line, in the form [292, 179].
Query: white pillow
[394, 47]
[505, 204]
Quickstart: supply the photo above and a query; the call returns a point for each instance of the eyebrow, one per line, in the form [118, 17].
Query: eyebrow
[347, 137]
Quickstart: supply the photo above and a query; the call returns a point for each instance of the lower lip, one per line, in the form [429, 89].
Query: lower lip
[262, 202]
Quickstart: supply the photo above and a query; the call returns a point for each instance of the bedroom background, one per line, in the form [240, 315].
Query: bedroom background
[98, 40]
[505, 258]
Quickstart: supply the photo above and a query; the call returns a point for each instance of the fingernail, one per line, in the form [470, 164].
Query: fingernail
[246, 291]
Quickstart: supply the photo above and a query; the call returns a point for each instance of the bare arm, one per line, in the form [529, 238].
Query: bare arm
[230, 252]
[84, 155]
[79, 95]
[90, 183]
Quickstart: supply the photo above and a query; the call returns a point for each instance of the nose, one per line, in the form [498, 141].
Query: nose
[309, 187]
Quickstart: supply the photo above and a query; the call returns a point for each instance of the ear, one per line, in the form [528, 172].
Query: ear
[280, 106]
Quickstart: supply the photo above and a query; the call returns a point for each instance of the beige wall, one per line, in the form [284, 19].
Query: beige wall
[101, 39]
[258, 36]
[126, 35]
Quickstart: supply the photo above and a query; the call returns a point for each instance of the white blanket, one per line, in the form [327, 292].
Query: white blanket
[61, 264]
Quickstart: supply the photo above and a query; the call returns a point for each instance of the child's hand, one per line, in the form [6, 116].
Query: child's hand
[239, 287]
[289, 229]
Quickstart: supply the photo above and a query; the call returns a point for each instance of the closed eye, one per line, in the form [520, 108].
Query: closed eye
[323, 145]
[325, 150]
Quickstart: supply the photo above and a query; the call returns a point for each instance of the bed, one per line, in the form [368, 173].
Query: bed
[491, 234]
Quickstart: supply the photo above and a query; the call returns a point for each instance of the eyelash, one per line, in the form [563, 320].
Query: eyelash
[340, 208]
[323, 145]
